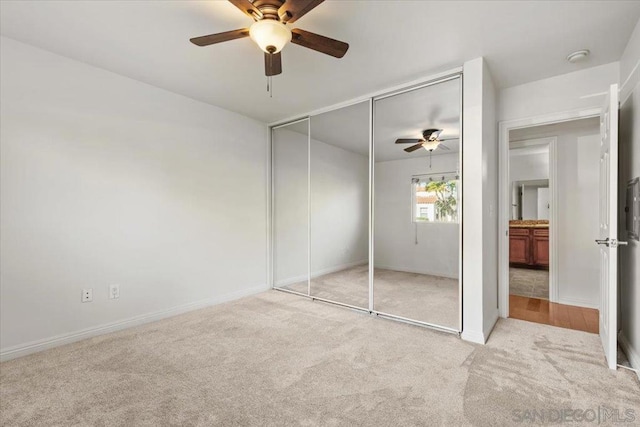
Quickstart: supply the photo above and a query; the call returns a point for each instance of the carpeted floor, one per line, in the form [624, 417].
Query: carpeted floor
[529, 283]
[422, 297]
[277, 359]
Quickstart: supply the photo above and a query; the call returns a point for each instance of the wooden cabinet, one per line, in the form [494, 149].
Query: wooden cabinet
[529, 247]
[519, 246]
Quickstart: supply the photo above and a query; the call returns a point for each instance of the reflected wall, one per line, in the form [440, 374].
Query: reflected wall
[290, 198]
[339, 195]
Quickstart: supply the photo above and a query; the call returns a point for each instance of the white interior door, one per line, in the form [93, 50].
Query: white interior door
[609, 226]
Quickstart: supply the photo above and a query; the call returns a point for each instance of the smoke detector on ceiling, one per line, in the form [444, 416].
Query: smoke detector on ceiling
[578, 55]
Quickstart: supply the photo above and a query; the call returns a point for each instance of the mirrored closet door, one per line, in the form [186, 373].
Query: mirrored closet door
[339, 201]
[417, 192]
[290, 206]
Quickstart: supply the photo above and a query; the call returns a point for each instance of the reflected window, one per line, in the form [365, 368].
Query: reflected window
[435, 198]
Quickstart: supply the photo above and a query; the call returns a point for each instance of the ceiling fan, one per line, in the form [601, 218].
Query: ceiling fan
[271, 33]
[430, 141]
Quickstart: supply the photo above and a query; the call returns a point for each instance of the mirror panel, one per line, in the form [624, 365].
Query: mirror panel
[417, 195]
[339, 189]
[290, 192]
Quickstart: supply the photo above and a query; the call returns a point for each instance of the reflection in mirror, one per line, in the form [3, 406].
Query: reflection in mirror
[290, 172]
[529, 178]
[417, 201]
[339, 188]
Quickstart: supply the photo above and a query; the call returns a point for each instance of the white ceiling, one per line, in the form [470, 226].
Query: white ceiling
[391, 42]
[404, 115]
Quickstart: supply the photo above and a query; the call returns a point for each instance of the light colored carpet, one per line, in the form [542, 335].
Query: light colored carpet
[277, 359]
[422, 297]
[529, 283]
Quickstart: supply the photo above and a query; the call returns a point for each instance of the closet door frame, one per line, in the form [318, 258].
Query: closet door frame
[371, 98]
[271, 217]
[458, 330]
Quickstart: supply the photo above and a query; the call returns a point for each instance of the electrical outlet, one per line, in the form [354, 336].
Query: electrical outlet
[87, 295]
[114, 291]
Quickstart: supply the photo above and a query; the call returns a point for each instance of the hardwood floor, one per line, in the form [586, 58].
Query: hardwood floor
[549, 313]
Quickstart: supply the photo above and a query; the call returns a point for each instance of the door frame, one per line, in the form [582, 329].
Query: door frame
[504, 199]
[455, 73]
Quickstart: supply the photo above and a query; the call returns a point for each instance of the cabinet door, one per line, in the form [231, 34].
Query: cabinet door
[519, 249]
[541, 250]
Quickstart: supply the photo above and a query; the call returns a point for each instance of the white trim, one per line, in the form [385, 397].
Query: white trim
[632, 354]
[481, 337]
[554, 278]
[473, 336]
[461, 208]
[504, 197]
[372, 95]
[372, 165]
[68, 338]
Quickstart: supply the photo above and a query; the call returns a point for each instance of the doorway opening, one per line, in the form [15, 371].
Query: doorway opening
[553, 179]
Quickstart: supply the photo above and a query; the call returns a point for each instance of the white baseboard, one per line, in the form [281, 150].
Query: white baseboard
[321, 272]
[62, 339]
[481, 337]
[473, 336]
[577, 302]
[417, 271]
[632, 354]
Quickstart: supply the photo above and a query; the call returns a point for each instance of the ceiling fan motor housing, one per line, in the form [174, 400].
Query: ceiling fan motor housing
[269, 8]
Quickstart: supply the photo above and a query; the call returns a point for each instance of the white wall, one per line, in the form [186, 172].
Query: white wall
[629, 257]
[339, 207]
[479, 251]
[530, 203]
[490, 201]
[106, 180]
[543, 203]
[580, 90]
[437, 251]
[290, 206]
[528, 167]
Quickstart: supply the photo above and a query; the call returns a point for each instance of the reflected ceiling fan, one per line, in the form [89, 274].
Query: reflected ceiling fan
[271, 33]
[430, 141]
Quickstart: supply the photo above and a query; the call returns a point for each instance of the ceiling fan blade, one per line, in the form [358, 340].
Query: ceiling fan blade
[292, 10]
[407, 141]
[413, 148]
[272, 64]
[319, 43]
[444, 147]
[247, 8]
[220, 37]
[448, 139]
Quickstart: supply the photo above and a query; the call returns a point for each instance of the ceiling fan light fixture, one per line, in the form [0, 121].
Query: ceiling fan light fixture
[270, 35]
[430, 145]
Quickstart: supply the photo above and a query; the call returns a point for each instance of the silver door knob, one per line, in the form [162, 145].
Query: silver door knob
[603, 241]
